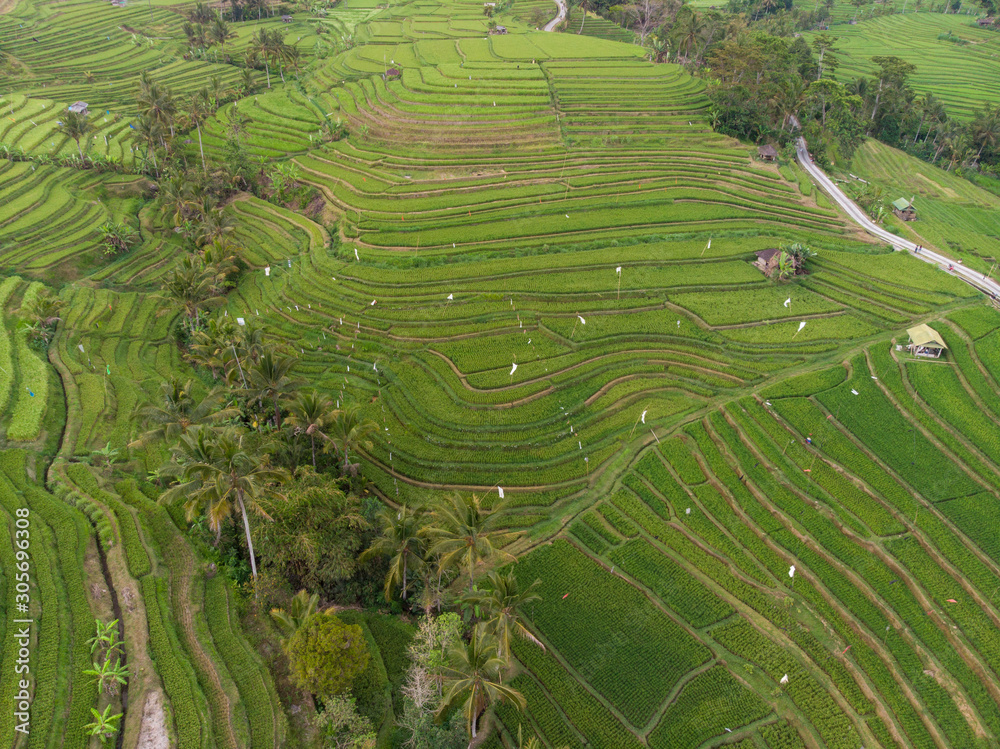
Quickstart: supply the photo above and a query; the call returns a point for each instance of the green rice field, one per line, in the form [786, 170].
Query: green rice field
[757, 519]
[962, 76]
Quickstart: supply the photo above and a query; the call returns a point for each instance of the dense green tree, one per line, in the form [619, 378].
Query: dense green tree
[325, 655]
[311, 534]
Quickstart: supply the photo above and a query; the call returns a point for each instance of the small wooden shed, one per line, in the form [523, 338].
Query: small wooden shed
[286, 19]
[904, 209]
[767, 153]
[392, 74]
[767, 261]
[925, 341]
[79, 107]
[498, 30]
[985, 21]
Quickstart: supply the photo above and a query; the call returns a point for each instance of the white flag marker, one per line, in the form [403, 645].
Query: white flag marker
[241, 321]
[513, 368]
[788, 301]
[791, 571]
[801, 325]
[267, 270]
[784, 679]
[500, 490]
[618, 270]
[80, 346]
[451, 297]
[644, 416]
[356, 255]
[687, 511]
[582, 321]
[371, 305]
[853, 391]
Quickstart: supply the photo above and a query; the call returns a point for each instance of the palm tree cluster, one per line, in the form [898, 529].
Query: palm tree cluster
[452, 537]
[206, 27]
[162, 116]
[428, 548]
[467, 672]
[269, 48]
[232, 449]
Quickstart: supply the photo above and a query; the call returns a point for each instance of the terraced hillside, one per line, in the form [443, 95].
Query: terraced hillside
[953, 213]
[530, 262]
[960, 70]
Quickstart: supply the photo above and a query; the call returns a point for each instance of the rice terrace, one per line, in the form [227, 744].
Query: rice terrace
[430, 374]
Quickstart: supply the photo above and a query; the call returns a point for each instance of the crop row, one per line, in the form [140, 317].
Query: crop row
[59, 536]
[709, 705]
[808, 695]
[679, 590]
[29, 404]
[575, 591]
[7, 287]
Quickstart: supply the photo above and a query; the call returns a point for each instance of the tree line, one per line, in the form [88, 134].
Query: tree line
[766, 83]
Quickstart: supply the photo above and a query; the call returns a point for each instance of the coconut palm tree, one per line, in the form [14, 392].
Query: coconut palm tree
[349, 432]
[300, 608]
[500, 604]
[157, 102]
[218, 475]
[688, 32]
[474, 678]
[148, 132]
[271, 379]
[40, 314]
[583, 6]
[263, 44]
[175, 198]
[310, 414]
[221, 33]
[985, 130]
[189, 286]
[402, 539]
[200, 109]
[179, 411]
[464, 533]
[75, 125]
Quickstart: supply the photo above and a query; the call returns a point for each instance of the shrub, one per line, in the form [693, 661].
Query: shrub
[325, 655]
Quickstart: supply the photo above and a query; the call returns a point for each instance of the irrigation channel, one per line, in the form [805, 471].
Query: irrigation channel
[560, 17]
[969, 276]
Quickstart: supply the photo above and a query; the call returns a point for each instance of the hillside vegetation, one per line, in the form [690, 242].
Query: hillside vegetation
[523, 263]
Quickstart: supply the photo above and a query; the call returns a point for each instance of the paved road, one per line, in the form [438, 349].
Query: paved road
[861, 218]
[559, 18]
